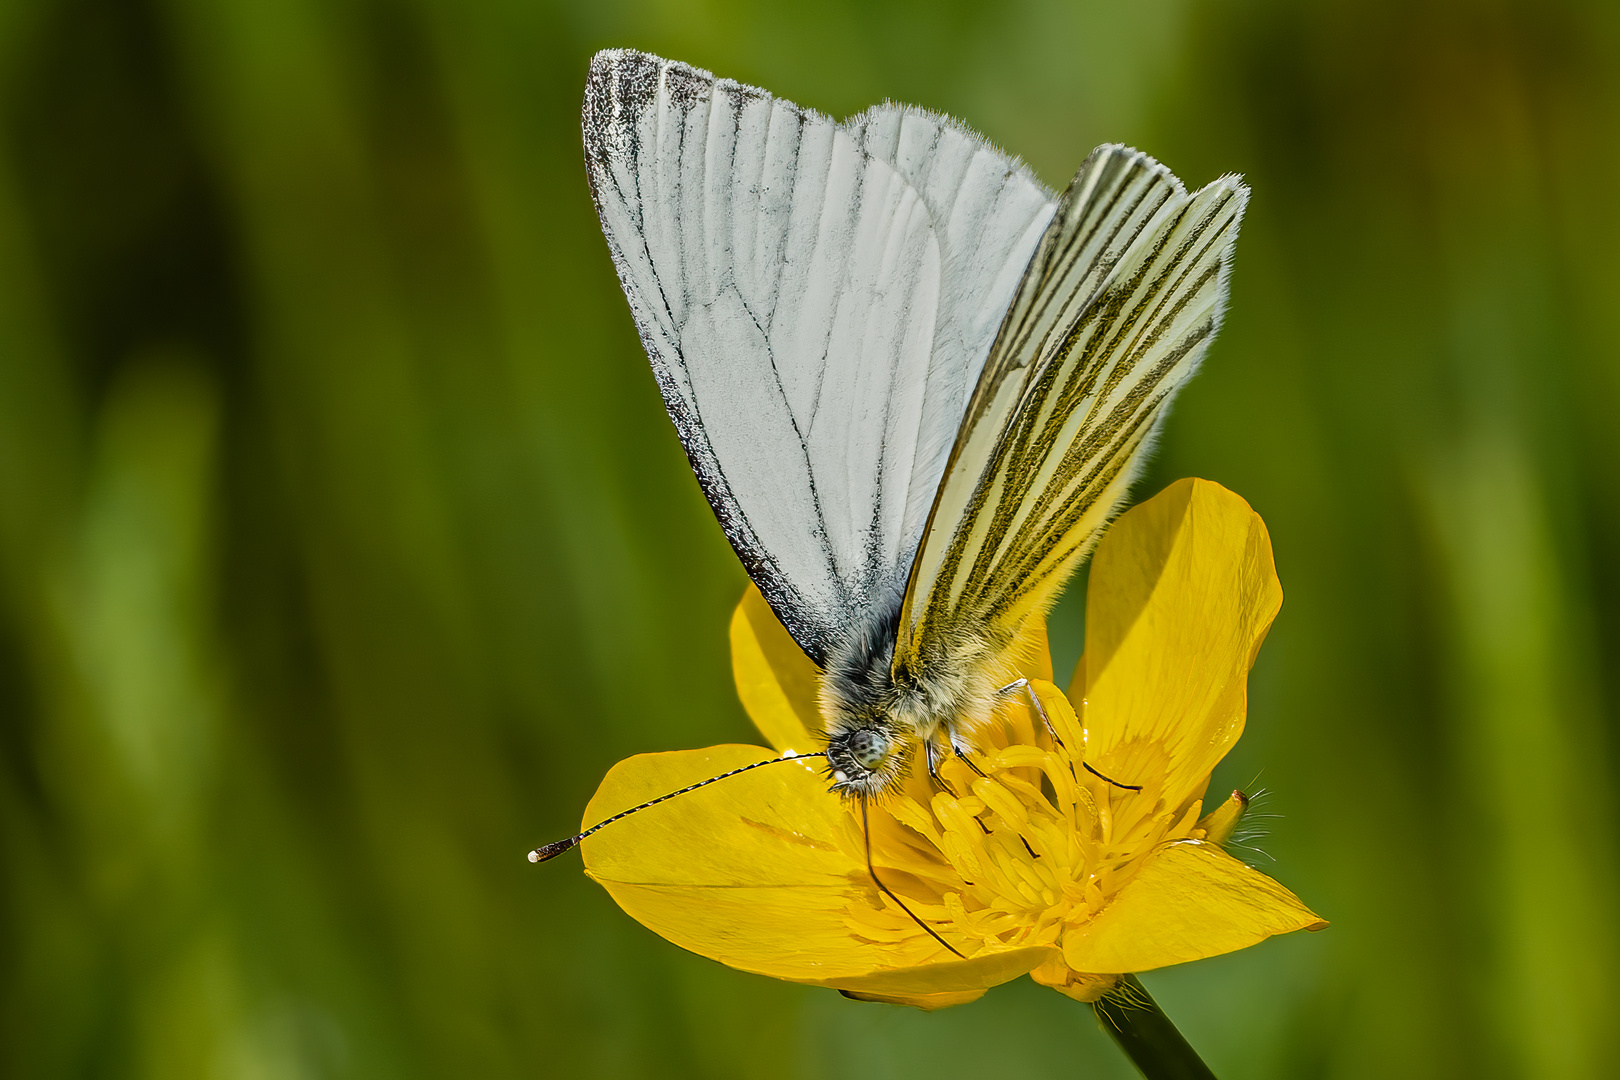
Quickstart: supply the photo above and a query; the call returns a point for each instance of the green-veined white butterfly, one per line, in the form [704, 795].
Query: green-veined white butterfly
[913, 383]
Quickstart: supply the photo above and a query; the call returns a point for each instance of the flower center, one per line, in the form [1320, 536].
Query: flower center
[1013, 857]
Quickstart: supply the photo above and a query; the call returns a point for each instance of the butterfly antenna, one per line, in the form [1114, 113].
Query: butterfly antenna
[557, 847]
[866, 831]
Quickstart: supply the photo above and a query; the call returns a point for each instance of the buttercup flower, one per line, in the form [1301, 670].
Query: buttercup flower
[1038, 866]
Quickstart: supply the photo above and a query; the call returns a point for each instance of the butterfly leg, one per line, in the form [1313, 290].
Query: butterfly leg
[963, 750]
[1040, 710]
[1035, 703]
[932, 758]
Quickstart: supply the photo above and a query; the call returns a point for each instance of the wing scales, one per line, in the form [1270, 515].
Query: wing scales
[803, 293]
[785, 285]
[989, 212]
[1113, 314]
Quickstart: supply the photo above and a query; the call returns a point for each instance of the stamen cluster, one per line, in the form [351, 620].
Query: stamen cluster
[1015, 856]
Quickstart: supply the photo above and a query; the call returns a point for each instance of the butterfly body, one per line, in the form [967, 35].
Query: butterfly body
[875, 714]
[913, 383]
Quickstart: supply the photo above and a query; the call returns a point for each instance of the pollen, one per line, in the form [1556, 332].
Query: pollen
[1024, 845]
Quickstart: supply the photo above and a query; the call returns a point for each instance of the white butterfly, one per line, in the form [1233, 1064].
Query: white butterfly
[913, 383]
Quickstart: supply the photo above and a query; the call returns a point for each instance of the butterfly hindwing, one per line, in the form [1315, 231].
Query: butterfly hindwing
[1113, 314]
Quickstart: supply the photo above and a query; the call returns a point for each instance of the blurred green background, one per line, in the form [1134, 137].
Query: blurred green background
[344, 543]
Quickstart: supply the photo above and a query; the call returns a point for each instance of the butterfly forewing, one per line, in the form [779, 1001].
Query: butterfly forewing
[788, 276]
[785, 286]
[1120, 300]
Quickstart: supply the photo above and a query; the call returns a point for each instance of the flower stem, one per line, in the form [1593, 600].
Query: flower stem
[1149, 1039]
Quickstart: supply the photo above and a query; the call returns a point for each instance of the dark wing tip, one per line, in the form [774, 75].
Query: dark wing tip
[618, 86]
[618, 75]
[621, 85]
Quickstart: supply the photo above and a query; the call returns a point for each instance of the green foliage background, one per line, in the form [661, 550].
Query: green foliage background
[344, 544]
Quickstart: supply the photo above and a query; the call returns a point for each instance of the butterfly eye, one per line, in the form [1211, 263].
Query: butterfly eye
[868, 747]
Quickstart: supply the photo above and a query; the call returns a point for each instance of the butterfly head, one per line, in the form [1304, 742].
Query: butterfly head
[866, 758]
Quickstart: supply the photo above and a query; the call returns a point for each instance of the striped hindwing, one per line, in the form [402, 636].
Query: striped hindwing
[1123, 295]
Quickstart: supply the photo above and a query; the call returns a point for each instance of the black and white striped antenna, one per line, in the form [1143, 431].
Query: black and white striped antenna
[557, 847]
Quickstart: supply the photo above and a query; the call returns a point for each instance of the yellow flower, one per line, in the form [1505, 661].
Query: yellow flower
[1038, 866]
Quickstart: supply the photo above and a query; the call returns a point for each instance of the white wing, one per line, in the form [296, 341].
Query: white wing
[787, 285]
[989, 213]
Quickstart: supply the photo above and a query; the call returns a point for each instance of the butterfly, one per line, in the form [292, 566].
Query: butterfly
[913, 383]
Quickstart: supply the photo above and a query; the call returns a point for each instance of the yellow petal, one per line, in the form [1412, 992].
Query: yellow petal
[752, 871]
[1031, 651]
[1079, 985]
[1190, 900]
[950, 976]
[776, 681]
[1077, 680]
[1182, 592]
[926, 1002]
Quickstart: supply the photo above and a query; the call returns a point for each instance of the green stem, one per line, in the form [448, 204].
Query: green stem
[1149, 1039]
